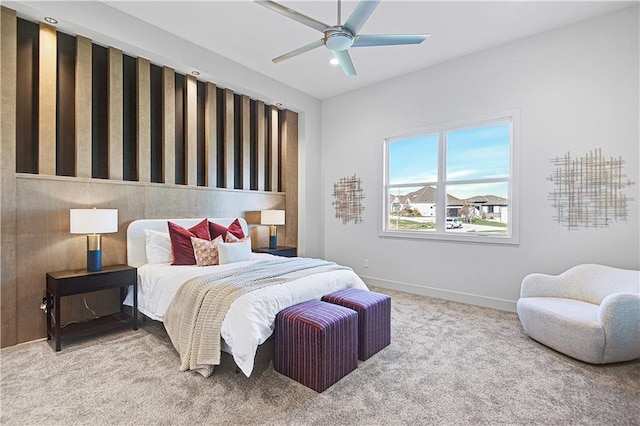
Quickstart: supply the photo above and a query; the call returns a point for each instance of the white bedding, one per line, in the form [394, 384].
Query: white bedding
[250, 319]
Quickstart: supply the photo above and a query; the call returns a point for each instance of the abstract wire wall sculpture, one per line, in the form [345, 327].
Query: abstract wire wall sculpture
[348, 196]
[588, 190]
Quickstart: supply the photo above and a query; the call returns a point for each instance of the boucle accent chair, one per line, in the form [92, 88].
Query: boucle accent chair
[316, 343]
[590, 312]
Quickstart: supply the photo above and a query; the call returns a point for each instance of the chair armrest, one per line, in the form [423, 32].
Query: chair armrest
[620, 308]
[541, 285]
[619, 315]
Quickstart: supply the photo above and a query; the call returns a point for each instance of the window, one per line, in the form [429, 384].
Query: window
[456, 181]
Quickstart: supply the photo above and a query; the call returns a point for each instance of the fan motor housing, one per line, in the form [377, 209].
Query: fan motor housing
[338, 39]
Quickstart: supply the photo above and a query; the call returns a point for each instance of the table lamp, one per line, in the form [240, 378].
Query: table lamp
[272, 218]
[93, 222]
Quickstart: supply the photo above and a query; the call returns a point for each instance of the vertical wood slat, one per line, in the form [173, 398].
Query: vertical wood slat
[83, 135]
[169, 125]
[289, 151]
[47, 101]
[8, 132]
[143, 111]
[191, 133]
[245, 137]
[210, 135]
[274, 167]
[229, 142]
[261, 138]
[115, 114]
[289, 174]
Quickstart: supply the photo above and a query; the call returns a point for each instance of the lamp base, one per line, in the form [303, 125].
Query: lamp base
[273, 237]
[94, 260]
[94, 253]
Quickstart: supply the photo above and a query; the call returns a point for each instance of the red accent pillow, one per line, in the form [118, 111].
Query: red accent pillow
[181, 247]
[235, 228]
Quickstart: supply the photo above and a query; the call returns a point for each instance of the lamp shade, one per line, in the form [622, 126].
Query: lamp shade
[272, 217]
[93, 221]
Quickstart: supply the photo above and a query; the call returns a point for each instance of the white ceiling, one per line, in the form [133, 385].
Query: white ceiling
[251, 35]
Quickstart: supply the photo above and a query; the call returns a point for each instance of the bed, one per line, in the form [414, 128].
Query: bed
[249, 320]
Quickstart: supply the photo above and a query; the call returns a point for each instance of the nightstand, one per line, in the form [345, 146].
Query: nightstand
[278, 251]
[79, 281]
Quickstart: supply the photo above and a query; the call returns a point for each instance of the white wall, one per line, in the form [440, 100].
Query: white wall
[576, 88]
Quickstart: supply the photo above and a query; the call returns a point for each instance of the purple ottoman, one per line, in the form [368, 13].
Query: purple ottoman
[316, 343]
[374, 318]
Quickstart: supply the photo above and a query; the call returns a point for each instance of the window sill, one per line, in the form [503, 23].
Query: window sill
[475, 238]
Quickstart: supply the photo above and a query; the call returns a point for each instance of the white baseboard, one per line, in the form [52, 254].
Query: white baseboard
[456, 296]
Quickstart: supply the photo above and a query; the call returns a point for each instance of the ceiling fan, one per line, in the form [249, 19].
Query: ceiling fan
[340, 37]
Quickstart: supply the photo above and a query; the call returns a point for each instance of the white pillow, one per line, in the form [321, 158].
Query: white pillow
[234, 252]
[158, 246]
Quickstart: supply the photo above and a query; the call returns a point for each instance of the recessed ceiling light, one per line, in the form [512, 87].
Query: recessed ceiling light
[195, 72]
[50, 20]
[334, 61]
[278, 104]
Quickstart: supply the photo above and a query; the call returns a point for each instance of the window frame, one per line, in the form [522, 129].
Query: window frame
[513, 180]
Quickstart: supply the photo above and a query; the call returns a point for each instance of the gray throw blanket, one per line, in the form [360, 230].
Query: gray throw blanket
[194, 318]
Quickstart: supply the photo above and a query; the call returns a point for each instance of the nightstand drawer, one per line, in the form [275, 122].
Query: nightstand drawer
[91, 282]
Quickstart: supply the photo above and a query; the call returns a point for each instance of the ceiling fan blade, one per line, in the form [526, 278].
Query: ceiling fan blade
[345, 61]
[298, 51]
[387, 39]
[292, 14]
[361, 15]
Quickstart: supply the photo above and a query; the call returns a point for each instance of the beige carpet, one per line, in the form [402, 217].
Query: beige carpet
[448, 363]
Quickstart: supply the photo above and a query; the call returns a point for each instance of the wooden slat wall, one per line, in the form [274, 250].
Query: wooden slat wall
[244, 145]
[242, 141]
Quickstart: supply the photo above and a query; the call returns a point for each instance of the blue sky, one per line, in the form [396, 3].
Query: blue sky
[476, 153]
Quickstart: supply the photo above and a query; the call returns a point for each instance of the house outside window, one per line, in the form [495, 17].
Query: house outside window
[454, 181]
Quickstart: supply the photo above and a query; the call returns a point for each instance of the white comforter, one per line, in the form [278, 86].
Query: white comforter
[250, 319]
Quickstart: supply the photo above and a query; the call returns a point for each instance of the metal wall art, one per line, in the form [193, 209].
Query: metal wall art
[588, 190]
[348, 196]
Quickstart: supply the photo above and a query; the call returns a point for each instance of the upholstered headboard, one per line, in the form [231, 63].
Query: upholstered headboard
[136, 237]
